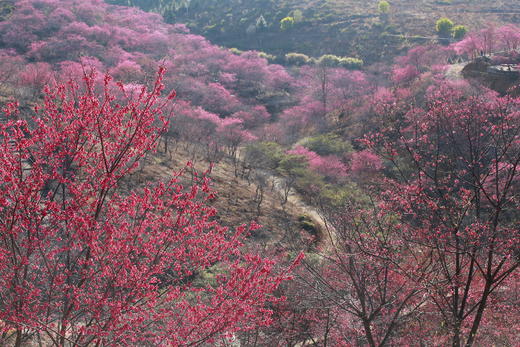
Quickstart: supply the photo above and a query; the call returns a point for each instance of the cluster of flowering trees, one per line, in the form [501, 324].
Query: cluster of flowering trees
[328, 166]
[456, 188]
[427, 251]
[84, 262]
[419, 62]
[215, 135]
[431, 253]
[489, 40]
[321, 91]
[50, 40]
[417, 179]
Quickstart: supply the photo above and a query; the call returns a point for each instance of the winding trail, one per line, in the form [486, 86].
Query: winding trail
[296, 200]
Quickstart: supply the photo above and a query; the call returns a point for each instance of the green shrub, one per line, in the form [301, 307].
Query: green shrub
[444, 26]
[329, 60]
[337, 196]
[310, 184]
[286, 23]
[351, 63]
[270, 58]
[236, 51]
[327, 144]
[313, 61]
[293, 166]
[383, 7]
[459, 31]
[264, 155]
[297, 59]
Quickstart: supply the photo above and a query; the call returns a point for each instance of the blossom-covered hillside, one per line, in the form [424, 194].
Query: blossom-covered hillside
[43, 41]
[388, 192]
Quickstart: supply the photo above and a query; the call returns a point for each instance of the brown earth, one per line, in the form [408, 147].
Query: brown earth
[235, 198]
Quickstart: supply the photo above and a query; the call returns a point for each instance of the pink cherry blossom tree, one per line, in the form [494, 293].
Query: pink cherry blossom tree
[84, 262]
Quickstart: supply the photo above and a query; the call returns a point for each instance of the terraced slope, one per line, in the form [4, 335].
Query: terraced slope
[343, 27]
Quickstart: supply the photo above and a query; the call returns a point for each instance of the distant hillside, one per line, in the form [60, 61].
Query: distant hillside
[342, 27]
[6, 7]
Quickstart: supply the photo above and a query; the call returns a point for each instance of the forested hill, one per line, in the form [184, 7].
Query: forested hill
[384, 201]
[361, 29]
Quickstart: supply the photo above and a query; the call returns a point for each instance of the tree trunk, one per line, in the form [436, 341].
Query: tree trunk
[479, 315]
[18, 342]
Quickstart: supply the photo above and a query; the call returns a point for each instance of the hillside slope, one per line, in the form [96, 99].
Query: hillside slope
[342, 27]
[237, 200]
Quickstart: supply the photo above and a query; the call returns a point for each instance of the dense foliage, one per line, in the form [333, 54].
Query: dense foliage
[400, 182]
[85, 263]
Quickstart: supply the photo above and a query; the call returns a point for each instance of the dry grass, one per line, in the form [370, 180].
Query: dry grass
[235, 198]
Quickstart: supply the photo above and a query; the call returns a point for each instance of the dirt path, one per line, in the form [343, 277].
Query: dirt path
[454, 72]
[296, 200]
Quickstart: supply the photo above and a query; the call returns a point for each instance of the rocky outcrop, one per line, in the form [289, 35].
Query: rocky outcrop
[504, 78]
